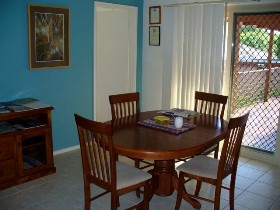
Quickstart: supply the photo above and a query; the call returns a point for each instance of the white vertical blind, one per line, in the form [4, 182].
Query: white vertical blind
[195, 36]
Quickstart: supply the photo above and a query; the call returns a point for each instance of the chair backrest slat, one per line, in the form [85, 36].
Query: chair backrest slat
[210, 103]
[123, 105]
[100, 156]
[232, 144]
[97, 151]
[90, 147]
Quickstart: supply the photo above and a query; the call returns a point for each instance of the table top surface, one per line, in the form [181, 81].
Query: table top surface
[135, 141]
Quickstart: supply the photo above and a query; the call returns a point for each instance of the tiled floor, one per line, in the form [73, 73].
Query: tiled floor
[257, 188]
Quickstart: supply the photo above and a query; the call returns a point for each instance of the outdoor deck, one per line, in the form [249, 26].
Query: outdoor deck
[262, 125]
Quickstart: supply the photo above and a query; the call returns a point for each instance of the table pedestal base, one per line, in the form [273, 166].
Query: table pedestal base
[165, 170]
[167, 180]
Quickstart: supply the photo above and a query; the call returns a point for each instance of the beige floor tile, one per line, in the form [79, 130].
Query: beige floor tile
[256, 182]
[253, 201]
[265, 190]
[276, 205]
[249, 172]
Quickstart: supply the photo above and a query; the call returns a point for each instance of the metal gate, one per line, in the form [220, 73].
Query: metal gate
[256, 77]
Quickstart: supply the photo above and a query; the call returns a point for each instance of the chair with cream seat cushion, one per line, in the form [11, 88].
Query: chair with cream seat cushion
[203, 168]
[101, 168]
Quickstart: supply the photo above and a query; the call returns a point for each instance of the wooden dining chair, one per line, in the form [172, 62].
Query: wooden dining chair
[124, 105]
[211, 170]
[209, 103]
[101, 168]
[212, 104]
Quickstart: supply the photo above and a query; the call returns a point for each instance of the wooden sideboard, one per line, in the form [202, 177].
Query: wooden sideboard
[26, 149]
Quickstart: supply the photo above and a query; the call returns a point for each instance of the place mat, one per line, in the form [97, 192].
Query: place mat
[169, 128]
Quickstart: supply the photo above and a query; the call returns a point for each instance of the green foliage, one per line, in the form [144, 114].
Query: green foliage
[275, 93]
[259, 38]
[246, 100]
[276, 45]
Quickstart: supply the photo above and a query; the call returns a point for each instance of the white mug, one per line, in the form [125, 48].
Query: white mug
[179, 122]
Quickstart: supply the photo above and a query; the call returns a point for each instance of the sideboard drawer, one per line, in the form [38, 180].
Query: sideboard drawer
[6, 148]
[7, 170]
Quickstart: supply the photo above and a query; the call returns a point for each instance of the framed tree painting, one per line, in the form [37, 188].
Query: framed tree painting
[48, 29]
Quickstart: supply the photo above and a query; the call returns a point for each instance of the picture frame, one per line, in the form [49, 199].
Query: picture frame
[48, 36]
[154, 35]
[155, 15]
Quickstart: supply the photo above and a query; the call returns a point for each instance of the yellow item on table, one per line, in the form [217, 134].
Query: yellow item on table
[162, 120]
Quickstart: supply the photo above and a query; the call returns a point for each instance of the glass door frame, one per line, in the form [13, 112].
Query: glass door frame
[247, 152]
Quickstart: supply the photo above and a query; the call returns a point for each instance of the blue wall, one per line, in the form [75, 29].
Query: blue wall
[69, 90]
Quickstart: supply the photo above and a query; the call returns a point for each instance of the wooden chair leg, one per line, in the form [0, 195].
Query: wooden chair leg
[198, 187]
[216, 152]
[231, 198]
[217, 196]
[137, 165]
[87, 195]
[231, 191]
[217, 204]
[118, 201]
[114, 201]
[180, 191]
[146, 196]
[138, 193]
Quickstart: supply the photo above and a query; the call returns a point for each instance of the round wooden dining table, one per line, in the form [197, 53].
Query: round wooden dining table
[137, 141]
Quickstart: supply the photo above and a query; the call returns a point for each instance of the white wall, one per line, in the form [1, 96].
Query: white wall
[153, 90]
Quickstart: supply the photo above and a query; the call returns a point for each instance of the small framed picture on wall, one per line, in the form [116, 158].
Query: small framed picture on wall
[154, 35]
[155, 15]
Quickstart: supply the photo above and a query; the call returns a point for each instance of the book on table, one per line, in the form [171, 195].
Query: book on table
[176, 112]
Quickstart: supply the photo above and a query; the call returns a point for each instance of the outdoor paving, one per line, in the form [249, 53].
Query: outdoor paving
[262, 125]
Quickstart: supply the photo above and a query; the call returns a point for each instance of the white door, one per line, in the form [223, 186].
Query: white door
[115, 52]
